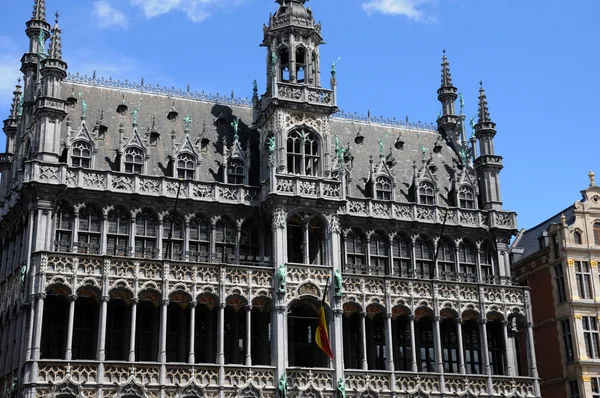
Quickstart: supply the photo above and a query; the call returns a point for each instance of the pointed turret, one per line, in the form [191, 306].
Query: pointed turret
[38, 31]
[56, 42]
[14, 109]
[488, 164]
[447, 93]
[39, 10]
[11, 124]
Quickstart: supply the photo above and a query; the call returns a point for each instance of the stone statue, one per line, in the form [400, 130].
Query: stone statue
[282, 277]
[463, 156]
[84, 107]
[135, 114]
[23, 274]
[462, 103]
[282, 386]
[472, 123]
[42, 43]
[273, 60]
[381, 143]
[271, 144]
[333, 66]
[236, 125]
[423, 150]
[341, 387]
[439, 115]
[20, 106]
[338, 283]
[339, 148]
[188, 121]
[255, 87]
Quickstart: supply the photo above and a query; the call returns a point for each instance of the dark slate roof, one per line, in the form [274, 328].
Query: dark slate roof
[204, 112]
[529, 241]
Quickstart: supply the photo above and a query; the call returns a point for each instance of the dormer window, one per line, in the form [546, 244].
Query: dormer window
[383, 188]
[300, 65]
[82, 155]
[466, 197]
[284, 65]
[134, 161]
[577, 238]
[426, 193]
[303, 153]
[186, 166]
[236, 172]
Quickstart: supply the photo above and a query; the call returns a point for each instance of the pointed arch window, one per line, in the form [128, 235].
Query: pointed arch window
[172, 247]
[146, 231]
[302, 325]
[236, 172]
[199, 239]
[466, 197]
[356, 252]
[472, 346]
[352, 330]
[383, 188]
[249, 241]
[379, 253]
[449, 345]
[284, 65]
[303, 153]
[402, 343]
[134, 161]
[596, 229]
[300, 65]
[467, 259]
[186, 166]
[425, 348]
[401, 254]
[423, 258]
[90, 225]
[64, 229]
[376, 342]
[577, 238]
[81, 155]
[426, 193]
[117, 238]
[495, 338]
[225, 239]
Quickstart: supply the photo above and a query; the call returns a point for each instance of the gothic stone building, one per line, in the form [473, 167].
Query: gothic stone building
[558, 260]
[179, 245]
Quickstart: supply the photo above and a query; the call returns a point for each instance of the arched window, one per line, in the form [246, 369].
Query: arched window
[445, 259]
[235, 335]
[303, 153]
[300, 65]
[54, 322]
[425, 349]
[205, 345]
[316, 241]
[449, 340]
[90, 226]
[472, 346]
[379, 253]
[249, 241]
[577, 238]
[596, 228]
[85, 324]
[356, 252]
[64, 229]
[353, 342]
[423, 257]
[147, 325]
[302, 326]
[178, 331]
[146, 231]
[117, 238]
[426, 193]
[118, 321]
[402, 343]
[236, 172]
[383, 188]
[376, 348]
[467, 259]
[495, 336]
[284, 65]
[172, 247]
[186, 166]
[314, 66]
[485, 259]
[226, 235]
[199, 239]
[134, 161]
[466, 197]
[401, 254]
[261, 331]
[81, 155]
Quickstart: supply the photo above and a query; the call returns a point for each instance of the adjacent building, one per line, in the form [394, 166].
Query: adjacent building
[167, 243]
[558, 260]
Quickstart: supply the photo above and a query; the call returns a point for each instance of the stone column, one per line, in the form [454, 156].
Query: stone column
[389, 342]
[102, 328]
[38, 326]
[75, 234]
[103, 234]
[533, 372]
[159, 239]
[507, 355]
[305, 238]
[28, 354]
[437, 343]
[69, 351]
[186, 243]
[484, 346]
[238, 239]
[132, 227]
[391, 257]
[192, 353]
[162, 356]
[363, 330]
[134, 303]
[461, 351]
[249, 335]
[338, 344]
[413, 345]
[221, 335]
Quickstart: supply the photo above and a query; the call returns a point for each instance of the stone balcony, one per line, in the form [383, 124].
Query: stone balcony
[305, 186]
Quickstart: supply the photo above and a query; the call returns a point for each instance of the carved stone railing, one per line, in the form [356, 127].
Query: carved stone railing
[305, 94]
[140, 184]
[294, 185]
[431, 214]
[304, 378]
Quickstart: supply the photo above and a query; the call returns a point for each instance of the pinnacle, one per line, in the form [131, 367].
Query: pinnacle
[446, 76]
[55, 51]
[14, 109]
[39, 10]
[484, 112]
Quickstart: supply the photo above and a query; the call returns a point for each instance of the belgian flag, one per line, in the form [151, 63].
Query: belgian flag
[322, 335]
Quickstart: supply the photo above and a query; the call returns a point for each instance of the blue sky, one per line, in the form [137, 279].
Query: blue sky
[537, 60]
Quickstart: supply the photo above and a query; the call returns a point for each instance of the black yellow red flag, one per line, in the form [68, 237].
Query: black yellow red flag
[322, 335]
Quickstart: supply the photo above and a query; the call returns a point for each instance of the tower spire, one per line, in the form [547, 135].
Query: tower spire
[14, 109]
[446, 75]
[56, 41]
[484, 112]
[447, 93]
[39, 10]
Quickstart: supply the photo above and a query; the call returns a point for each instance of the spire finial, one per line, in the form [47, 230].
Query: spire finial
[55, 51]
[56, 15]
[446, 76]
[592, 177]
[39, 10]
[484, 112]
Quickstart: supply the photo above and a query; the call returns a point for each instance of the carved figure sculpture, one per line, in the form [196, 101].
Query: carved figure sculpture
[341, 387]
[462, 103]
[41, 43]
[84, 108]
[271, 144]
[135, 114]
[282, 386]
[282, 277]
[338, 283]
[187, 120]
[236, 125]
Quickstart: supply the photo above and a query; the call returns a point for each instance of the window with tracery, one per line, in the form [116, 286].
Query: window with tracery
[146, 232]
[356, 252]
[423, 258]
[173, 238]
[485, 259]
[495, 337]
[199, 239]
[353, 343]
[236, 172]
[472, 346]
[303, 153]
[426, 193]
[425, 348]
[225, 240]
[90, 226]
[186, 166]
[300, 65]
[81, 155]
[445, 260]
[134, 161]
[467, 259]
[402, 343]
[379, 253]
[284, 67]
[117, 238]
[383, 188]
[64, 229]
[376, 348]
[249, 241]
[466, 197]
[401, 254]
[449, 340]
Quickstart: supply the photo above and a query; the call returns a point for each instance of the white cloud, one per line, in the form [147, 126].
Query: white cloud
[108, 16]
[196, 10]
[409, 8]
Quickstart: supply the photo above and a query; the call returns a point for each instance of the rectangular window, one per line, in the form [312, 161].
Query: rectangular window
[573, 389]
[595, 387]
[567, 340]
[591, 337]
[584, 279]
[560, 282]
